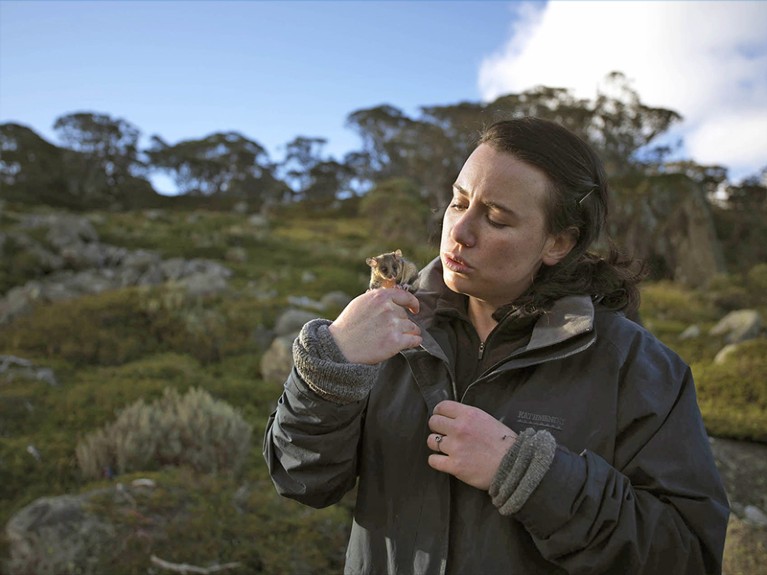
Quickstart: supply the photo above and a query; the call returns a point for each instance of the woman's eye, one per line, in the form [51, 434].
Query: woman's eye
[496, 224]
[457, 206]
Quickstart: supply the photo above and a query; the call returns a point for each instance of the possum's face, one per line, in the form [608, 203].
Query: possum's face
[387, 266]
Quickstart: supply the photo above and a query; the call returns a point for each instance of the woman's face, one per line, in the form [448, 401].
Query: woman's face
[494, 235]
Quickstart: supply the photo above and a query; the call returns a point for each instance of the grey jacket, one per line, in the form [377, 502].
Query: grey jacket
[632, 487]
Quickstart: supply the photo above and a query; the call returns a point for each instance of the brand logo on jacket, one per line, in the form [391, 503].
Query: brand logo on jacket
[540, 420]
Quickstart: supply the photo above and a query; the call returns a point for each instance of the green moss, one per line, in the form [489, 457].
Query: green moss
[202, 520]
[733, 394]
[109, 328]
[668, 301]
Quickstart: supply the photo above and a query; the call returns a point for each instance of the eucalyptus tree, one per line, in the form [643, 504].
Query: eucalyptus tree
[430, 149]
[32, 170]
[302, 154]
[223, 163]
[106, 147]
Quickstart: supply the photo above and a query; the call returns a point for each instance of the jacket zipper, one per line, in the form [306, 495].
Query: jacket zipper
[481, 349]
[494, 368]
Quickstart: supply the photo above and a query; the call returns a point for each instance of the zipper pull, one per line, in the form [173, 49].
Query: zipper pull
[481, 349]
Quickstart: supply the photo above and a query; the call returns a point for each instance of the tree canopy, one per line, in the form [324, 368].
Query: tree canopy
[100, 157]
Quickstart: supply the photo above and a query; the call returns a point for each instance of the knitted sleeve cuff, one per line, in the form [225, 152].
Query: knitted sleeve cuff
[522, 469]
[324, 368]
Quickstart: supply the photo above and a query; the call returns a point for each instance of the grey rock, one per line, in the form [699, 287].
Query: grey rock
[173, 268]
[16, 302]
[739, 325]
[13, 368]
[66, 230]
[724, 353]
[691, 332]
[305, 302]
[204, 283]
[140, 259]
[335, 299]
[57, 535]
[755, 516]
[292, 320]
[258, 221]
[277, 361]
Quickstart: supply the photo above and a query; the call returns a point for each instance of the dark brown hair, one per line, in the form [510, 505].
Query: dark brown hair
[578, 200]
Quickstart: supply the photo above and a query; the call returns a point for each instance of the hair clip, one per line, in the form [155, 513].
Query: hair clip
[580, 202]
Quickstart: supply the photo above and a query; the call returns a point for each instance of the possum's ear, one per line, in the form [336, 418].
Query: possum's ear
[398, 253]
[373, 263]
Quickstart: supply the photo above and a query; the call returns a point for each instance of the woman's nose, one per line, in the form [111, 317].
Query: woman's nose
[462, 231]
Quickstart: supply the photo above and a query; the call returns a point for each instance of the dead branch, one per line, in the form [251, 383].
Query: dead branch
[186, 568]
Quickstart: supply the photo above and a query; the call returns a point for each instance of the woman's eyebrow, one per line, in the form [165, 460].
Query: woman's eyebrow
[491, 205]
[460, 191]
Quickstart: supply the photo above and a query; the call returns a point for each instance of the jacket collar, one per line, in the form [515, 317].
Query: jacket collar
[568, 318]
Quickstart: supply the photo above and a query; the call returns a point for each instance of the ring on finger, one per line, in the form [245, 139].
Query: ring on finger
[438, 438]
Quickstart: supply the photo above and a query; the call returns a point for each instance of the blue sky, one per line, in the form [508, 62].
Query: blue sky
[275, 70]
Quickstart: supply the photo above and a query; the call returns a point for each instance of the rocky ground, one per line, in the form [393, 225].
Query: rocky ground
[743, 467]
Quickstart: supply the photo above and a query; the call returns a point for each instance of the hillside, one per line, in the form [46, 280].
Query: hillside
[101, 310]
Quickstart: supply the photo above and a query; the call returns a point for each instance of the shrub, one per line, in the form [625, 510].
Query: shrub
[107, 329]
[193, 430]
[756, 281]
[396, 213]
[733, 394]
[727, 293]
[119, 326]
[668, 301]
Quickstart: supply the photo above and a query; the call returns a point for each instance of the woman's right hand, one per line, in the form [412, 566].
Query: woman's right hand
[375, 326]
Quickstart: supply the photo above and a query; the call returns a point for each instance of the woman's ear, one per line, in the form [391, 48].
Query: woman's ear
[559, 245]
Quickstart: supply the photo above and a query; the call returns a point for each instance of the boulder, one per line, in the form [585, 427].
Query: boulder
[90, 267]
[291, 321]
[277, 361]
[691, 332]
[669, 220]
[724, 353]
[57, 536]
[335, 300]
[13, 368]
[752, 514]
[305, 302]
[738, 326]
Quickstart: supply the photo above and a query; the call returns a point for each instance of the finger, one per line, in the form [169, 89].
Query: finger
[405, 299]
[449, 408]
[440, 424]
[411, 328]
[409, 341]
[441, 463]
[436, 442]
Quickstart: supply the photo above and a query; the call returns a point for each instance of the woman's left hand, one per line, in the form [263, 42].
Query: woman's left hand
[472, 443]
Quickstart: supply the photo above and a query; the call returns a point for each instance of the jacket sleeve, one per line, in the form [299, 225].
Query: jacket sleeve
[659, 506]
[310, 445]
[312, 437]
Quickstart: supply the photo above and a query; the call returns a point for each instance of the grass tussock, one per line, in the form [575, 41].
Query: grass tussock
[192, 430]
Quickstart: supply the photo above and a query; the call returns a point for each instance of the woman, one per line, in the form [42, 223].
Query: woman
[508, 417]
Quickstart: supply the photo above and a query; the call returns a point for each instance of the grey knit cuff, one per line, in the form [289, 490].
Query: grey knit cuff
[324, 368]
[522, 469]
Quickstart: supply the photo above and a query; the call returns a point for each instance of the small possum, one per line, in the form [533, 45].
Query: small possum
[391, 270]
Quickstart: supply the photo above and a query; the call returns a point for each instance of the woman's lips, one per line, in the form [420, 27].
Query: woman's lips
[455, 263]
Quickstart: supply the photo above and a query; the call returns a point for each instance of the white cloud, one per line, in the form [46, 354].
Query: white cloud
[706, 60]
